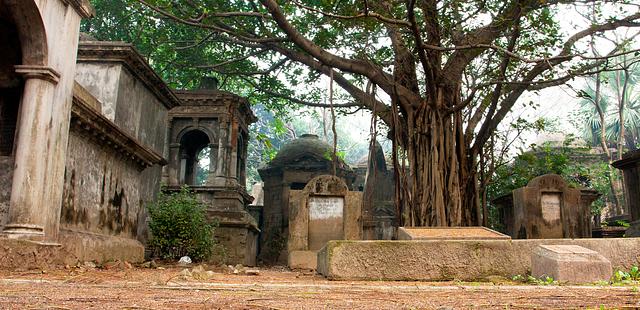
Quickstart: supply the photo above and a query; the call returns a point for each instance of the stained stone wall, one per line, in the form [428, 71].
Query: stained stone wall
[115, 149]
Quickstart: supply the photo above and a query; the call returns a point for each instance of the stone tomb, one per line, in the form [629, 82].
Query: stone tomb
[547, 208]
[570, 263]
[449, 233]
[324, 210]
[291, 169]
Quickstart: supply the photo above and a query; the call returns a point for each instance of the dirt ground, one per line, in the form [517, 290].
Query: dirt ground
[124, 287]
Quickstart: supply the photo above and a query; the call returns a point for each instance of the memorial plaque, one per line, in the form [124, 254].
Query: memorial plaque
[325, 220]
[550, 203]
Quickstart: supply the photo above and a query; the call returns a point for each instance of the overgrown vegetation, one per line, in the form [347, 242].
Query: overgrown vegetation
[179, 226]
[574, 164]
[529, 279]
[625, 277]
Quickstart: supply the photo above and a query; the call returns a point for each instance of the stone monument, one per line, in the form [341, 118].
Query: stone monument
[324, 210]
[547, 208]
[208, 135]
[292, 168]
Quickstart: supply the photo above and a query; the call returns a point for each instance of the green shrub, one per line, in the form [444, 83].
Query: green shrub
[179, 226]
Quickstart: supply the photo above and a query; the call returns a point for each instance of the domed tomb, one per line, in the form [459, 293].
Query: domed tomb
[292, 168]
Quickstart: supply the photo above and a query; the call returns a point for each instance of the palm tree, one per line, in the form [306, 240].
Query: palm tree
[609, 100]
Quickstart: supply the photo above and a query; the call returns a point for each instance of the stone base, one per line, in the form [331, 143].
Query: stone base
[303, 260]
[237, 235]
[84, 246]
[569, 263]
[429, 260]
[16, 254]
[236, 245]
[73, 247]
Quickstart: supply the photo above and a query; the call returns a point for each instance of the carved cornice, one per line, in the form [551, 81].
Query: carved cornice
[234, 104]
[83, 7]
[38, 72]
[126, 54]
[85, 117]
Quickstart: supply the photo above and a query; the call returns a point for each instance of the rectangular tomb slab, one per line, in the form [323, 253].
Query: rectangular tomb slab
[466, 260]
[569, 263]
[449, 233]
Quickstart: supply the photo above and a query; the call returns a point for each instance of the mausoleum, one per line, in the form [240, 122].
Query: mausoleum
[292, 168]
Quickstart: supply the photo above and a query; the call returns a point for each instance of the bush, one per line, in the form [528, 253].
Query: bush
[179, 226]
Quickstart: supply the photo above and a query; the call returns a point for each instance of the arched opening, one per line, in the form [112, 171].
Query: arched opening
[11, 84]
[240, 164]
[195, 158]
[202, 166]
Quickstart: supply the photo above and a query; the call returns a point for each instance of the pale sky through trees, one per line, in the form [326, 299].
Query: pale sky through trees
[555, 103]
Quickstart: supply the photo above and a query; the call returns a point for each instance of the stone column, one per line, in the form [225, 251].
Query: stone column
[223, 144]
[233, 150]
[27, 211]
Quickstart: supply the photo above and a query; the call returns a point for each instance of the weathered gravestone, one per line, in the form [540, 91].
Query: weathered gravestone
[569, 263]
[547, 208]
[324, 210]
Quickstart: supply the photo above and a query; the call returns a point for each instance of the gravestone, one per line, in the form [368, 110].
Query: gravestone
[324, 210]
[569, 263]
[547, 208]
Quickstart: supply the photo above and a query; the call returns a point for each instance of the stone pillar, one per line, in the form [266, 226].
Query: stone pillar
[166, 170]
[27, 212]
[223, 144]
[173, 168]
[213, 155]
[233, 151]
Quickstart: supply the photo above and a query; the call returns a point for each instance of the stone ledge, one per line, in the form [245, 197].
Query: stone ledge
[101, 248]
[19, 254]
[74, 247]
[429, 260]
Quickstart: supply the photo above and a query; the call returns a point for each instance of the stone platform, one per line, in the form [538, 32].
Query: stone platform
[72, 247]
[449, 233]
[432, 260]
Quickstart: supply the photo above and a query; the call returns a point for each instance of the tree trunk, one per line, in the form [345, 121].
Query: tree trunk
[442, 190]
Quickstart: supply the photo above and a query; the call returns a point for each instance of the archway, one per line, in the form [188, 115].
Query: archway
[195, 157]
[11, 84]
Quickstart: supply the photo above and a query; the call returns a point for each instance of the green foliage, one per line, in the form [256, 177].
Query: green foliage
[179, 226]
[624, 277]
[545, 280]
[544, 159]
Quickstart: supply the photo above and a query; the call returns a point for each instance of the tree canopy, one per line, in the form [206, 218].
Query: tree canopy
[442, 75]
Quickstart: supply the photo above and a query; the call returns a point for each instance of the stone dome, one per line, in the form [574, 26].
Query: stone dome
[307, 147]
